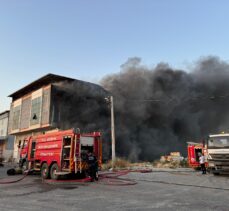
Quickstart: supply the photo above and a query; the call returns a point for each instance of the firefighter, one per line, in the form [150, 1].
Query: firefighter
[202, 163]
[92, 166]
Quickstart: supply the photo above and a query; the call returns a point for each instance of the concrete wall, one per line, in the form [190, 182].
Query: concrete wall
[4, 117]
[30, 112]
[7, 142]
[8, 148]
[34, 115]
[8, 155]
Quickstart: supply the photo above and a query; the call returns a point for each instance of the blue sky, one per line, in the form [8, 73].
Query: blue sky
[88, 39]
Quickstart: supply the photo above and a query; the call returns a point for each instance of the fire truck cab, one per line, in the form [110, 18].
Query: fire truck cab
[60, 153]
[193, 150]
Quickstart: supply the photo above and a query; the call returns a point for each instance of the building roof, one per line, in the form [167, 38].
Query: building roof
[4, 112]
[43, 81]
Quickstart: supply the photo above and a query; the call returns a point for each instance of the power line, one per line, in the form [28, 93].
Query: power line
[176, 99]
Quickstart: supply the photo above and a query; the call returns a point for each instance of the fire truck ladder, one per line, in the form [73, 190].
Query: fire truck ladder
[66, 151]
[77, 158]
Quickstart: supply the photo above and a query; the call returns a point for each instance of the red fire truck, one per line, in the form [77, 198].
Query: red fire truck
[193, 157]
[60, 153]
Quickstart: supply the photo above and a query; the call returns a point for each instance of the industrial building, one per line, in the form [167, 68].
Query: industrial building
[6, 141]
[56, 102]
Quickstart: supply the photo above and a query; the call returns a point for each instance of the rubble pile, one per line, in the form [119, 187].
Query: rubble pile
[173, 160]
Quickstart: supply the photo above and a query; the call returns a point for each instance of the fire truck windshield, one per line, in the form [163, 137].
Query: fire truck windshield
[218, 142]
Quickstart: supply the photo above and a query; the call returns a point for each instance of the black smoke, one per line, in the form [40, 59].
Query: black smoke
[79, 104]
[157, 110]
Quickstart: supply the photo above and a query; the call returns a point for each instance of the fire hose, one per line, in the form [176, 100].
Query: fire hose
[113, 178]
[4, 181]
[109, 178]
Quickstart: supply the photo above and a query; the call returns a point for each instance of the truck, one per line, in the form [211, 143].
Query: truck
[218, 153]
[193, 150]
[60, 153]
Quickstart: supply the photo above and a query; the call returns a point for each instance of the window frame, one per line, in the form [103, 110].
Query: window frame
[38, 111]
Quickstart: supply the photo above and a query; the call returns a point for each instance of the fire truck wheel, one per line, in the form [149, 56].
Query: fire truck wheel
[53, 170]
[45, 171]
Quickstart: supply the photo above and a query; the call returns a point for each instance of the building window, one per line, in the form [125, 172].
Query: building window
[35, 111]
[16, 117]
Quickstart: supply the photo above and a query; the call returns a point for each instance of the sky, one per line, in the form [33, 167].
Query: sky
[89, 39]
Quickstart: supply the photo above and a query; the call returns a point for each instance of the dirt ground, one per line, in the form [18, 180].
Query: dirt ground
[162, 189]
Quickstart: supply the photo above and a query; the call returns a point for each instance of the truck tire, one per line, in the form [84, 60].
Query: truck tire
[44, 171]
[53, 170]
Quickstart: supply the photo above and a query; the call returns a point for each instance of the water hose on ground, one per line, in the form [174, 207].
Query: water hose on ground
[113, 178]
[6, 181]
[110, 178]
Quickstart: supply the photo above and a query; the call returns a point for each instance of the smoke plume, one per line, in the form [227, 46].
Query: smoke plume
[79, 104]
[157, 110]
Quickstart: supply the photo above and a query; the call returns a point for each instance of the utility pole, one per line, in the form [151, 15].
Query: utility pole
[112, 130]
[110, 100]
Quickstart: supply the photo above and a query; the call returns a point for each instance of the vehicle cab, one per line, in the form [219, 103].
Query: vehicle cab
[218, 152]
[24, 148]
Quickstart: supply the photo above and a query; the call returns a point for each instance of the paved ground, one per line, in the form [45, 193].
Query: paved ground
[163, 189]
